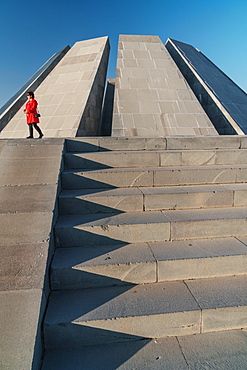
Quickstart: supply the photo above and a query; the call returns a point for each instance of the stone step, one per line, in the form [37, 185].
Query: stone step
[149, 177]
[167, 158]
[100, 266]
[217, 350]
[102, 229]
[136, 227]
[83, 201]
[118, 314]
[171, 143]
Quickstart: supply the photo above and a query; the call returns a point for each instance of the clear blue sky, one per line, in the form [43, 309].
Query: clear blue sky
[32, 31]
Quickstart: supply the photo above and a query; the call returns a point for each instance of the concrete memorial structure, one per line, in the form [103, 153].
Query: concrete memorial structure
[126, 250]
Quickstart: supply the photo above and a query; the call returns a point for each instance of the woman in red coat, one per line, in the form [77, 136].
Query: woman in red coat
[31, 112]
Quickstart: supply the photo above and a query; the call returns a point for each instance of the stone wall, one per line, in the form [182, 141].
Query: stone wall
[29, 183]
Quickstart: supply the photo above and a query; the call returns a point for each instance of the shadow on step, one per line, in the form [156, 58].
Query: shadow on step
[72, 257]
[73, 278]
[83, 206]
[81, 320]
[142, 354]
[74, 237]
[83, 305]
[103, 357]
[105, 265]
[79, 180]
[77, 162]
[83, 146]
[75, 335]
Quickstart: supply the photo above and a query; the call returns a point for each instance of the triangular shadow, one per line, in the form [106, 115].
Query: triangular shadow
[85, 238]
[84, 254]
[83, 206]
[76, 180]
[76, 162]
[101, 356]
[72, 279]
[81, 305]
[82, 146]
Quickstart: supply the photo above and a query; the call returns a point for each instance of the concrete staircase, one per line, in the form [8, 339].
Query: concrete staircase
[152, 248]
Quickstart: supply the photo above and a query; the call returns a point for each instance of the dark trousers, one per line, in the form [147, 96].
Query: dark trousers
[35, 125]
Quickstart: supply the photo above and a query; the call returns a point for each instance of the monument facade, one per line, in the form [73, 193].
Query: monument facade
[159, 90]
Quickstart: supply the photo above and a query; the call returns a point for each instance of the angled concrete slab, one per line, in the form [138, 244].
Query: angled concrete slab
[70, 97]
[224, 101]
[11, 107]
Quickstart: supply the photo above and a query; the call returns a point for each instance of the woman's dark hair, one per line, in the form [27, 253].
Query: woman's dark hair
[31, 94]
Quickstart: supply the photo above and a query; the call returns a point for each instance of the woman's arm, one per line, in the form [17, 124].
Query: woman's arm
[32, 106]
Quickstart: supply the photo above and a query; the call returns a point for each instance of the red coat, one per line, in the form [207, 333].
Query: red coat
[30, 110]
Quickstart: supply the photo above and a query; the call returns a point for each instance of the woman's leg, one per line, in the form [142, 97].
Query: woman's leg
[30, 126]
[37, 128]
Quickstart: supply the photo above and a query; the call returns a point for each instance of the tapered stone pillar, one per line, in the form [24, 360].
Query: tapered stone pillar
[152, 97]
[223, 101]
